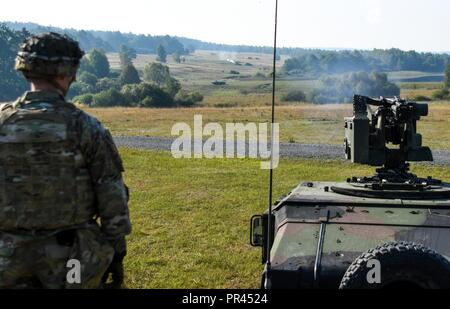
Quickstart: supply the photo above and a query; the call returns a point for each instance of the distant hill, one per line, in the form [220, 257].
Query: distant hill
[111, 41]
[302, 61]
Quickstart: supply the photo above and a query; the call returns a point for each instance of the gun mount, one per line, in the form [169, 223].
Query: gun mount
[388, 137]
[368, 134]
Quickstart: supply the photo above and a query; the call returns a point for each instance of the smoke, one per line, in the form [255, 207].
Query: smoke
[227, 56]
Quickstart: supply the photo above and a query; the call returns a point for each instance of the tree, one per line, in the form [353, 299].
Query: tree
[172, 87]
[162, 54]
[447, 77]
[177, 56]
[97, 63]
[129, 75]
[126, 55]
[87, 78]
[157, 74]
[85, 65]
[12, 84]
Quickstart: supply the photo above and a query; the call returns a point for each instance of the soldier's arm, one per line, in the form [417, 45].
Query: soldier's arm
[106, 169]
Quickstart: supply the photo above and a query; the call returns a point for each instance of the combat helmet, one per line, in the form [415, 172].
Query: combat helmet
[47, 55]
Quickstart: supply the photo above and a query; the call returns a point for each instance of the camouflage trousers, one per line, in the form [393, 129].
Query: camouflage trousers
[30, 261]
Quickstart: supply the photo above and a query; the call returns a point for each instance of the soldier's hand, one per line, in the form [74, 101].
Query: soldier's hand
[116, 271]
[117, 275]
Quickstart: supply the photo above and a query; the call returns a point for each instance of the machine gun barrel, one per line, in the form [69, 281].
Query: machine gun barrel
[367, 135]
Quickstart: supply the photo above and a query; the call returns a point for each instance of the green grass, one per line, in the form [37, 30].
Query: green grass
[191, 217]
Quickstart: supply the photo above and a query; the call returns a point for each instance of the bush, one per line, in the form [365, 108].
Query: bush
[109, 98]
[422, 98]
[185, 98]
[260, 75]
[442, 94]
[106, 83]
[79, 88]
[294, 96]
[86, 98]
[156, 73]
[146, 95]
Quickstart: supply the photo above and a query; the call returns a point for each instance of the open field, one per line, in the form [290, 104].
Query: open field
[252, 85]
[191, 217]
[243, 89]
[413, 90]
[416, 76]
[305, 123]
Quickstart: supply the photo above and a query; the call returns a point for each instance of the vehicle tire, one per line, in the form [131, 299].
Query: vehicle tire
[402, 265]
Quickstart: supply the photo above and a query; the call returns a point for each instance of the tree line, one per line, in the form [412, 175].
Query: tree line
[110, 41]
[318, 62]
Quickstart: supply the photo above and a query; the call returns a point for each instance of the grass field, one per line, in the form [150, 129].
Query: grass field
[304, 123]
[191, 217]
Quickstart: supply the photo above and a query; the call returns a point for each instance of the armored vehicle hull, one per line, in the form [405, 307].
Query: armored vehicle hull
[318, 233]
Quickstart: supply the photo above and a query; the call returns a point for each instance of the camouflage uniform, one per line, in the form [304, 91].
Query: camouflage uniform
[62, 195]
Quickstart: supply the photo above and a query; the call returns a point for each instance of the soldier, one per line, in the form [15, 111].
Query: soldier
[63, 202]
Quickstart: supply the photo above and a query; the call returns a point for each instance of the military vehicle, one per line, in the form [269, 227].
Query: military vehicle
[219, 83]
[389, 230]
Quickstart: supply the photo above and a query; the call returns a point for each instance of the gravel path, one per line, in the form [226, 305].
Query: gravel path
[308, 151]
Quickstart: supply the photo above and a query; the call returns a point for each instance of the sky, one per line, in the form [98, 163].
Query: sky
[423, 25]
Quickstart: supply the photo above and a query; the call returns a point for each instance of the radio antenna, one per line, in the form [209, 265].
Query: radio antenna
[267, 282]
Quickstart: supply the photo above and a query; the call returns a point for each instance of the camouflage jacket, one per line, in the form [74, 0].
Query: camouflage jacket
[100, 156]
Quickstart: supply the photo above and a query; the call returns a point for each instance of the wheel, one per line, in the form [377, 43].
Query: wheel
[401, 265]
